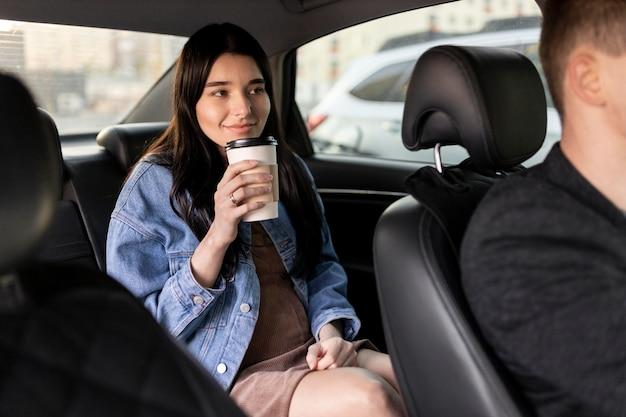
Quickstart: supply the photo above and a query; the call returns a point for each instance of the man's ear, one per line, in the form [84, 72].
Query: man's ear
[583, 77]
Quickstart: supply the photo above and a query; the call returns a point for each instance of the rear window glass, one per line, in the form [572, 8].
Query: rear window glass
[86, 78]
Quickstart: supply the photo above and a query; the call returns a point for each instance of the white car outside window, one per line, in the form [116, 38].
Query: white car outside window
[362, 113]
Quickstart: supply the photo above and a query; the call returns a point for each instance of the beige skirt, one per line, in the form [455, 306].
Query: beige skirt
[265, 389]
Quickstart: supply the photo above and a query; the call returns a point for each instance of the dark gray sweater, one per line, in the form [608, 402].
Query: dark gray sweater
[544, 270]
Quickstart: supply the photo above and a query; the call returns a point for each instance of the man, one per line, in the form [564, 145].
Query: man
[544, 257]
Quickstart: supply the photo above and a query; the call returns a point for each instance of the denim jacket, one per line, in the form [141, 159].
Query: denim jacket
[149, 248]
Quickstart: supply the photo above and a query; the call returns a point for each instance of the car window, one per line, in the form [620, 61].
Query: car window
[86, 78]
[351, 85]
[384, 84]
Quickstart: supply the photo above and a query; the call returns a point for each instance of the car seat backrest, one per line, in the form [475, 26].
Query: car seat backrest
[95, 182]
[72, 340]
[30, 173]
[127, 142]
[66, 240]
[490, 101]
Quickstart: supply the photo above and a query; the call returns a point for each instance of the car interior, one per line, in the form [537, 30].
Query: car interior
[396, 225]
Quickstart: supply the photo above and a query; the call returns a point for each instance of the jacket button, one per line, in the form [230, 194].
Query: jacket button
[244, 308]
[197, 300]
[221, 368]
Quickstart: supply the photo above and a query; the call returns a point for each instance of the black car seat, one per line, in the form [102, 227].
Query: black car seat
[73, 342]
[127, 142]
[94, 183]
[490, 101]
[65, 240]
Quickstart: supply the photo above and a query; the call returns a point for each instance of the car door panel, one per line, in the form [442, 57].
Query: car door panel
[355, 192]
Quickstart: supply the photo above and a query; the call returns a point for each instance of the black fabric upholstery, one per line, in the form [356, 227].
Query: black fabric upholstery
[75, 343]
[490, 101]
[94, 183]
[30, 174]
[65, 241]
[127, 142]
[457, 95]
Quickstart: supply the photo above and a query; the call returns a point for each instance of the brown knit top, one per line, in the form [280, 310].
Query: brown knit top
[283, 324]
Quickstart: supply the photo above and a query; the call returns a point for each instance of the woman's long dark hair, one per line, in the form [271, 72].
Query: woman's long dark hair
[197, 165]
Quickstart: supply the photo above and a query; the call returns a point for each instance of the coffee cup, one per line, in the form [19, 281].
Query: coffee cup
[262, 150]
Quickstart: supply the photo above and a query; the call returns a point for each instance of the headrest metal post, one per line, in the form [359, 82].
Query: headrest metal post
[438, 163]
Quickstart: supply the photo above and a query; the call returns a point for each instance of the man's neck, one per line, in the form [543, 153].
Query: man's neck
[600, 156]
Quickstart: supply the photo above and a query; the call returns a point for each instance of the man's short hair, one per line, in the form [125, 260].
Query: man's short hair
[569, 23]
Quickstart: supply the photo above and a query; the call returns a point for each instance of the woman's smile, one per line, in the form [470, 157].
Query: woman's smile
[241, 128]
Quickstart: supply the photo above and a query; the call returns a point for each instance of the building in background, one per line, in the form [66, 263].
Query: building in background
[85, 75]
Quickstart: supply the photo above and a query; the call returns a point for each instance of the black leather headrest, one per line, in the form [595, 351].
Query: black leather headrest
[488, 100]
[30, 173]
[127, 142]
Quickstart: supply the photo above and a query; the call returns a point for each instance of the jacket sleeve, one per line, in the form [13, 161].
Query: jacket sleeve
[163, 282]
[328, 284]
[549, 294]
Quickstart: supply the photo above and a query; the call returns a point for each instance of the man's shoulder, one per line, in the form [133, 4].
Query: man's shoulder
[527, 207]
[523, 194]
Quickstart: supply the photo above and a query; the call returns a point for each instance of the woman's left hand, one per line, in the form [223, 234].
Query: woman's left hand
[330, 353]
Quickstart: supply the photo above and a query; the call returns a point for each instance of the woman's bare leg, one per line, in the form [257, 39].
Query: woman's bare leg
[345, 392]
[378, 363]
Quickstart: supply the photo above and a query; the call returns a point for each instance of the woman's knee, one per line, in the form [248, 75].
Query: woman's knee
[375, 396]
[344, 392]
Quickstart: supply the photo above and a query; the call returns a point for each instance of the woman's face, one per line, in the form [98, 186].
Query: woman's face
[234, 103]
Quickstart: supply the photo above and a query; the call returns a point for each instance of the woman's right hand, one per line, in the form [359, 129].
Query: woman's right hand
[234, 190]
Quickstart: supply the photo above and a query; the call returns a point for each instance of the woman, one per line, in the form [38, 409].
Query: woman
[268, 318]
